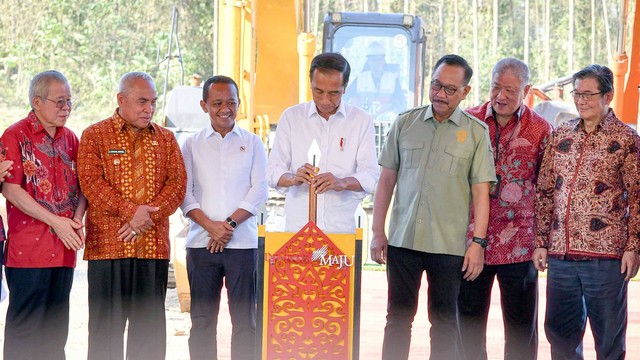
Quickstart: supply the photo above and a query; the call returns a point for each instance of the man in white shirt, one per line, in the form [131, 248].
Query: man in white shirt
[225, 189]
[348, 168]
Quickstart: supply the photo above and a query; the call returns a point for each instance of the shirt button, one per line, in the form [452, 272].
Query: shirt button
[19, 252]
[425, 184]
[423, 203]
[53, 255]
[419, 221]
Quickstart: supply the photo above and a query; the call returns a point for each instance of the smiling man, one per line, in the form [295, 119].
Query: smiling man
[226, 188]
[45, 211]
[518, 138]
[135, 179]
[345, 134]
[440, 158]
[588, 222]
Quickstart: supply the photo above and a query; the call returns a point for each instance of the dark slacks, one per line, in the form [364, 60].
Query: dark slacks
[133, 290]
[580, 289]
[236, 268]
[38, 313]
[519, 300]
[404, 273]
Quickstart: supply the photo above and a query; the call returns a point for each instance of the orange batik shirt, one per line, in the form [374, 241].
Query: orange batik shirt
[115, 183]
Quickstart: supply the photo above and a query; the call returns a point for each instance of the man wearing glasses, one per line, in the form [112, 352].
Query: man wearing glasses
[45, 210]
[588, 223]
[518, 137]
[441, 160]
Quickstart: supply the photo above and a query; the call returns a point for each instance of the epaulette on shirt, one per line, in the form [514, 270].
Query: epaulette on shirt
[414, 109]
[482, 123]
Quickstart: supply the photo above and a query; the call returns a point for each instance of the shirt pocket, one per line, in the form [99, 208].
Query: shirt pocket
[410, 153]
[455, 160]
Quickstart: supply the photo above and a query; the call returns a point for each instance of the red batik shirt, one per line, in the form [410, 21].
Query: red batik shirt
[510, 234]
[45, 168]
[588, 191]
[107, 167]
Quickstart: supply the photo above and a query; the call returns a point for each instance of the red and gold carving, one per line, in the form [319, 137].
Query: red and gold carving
[308, 304]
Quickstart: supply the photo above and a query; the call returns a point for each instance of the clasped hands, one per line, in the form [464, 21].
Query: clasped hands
[307, 174]
[139, 223]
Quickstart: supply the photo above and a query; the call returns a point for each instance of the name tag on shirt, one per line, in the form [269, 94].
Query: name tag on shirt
[117, 151]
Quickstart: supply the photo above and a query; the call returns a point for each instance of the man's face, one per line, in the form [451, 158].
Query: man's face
[138, 103]
[327, 91]
[222, 106]
[47, 110]
[597, 107]
[507, 93]
[451, 77]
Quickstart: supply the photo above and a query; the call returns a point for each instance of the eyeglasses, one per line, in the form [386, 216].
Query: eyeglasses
[61, 103]
[437, 86]
[584, 96]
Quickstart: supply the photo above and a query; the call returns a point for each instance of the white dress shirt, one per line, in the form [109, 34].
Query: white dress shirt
[224, 174]
[347, 148]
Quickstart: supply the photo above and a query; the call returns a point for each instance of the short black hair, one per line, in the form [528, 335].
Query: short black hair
[218, 79]
[331, 62]
[600, 73]
[456, 60]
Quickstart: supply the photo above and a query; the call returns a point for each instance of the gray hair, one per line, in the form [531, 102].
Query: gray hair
[128, 78]
[39, 86]
[516, 66]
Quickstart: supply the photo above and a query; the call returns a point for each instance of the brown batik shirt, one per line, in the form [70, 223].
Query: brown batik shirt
[587, 193]
[115, 186]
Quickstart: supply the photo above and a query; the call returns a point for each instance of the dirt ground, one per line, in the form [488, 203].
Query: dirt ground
[373, 313]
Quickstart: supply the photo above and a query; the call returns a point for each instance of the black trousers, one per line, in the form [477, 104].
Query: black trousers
[519, 299]
[236, 269]
[38, 313]
[133, 290]
[404, 274]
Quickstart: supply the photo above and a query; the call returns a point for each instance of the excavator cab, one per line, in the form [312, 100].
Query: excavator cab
[387, 55]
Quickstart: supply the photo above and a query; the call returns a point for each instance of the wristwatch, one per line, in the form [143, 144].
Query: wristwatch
[480, 241]
[233, 223]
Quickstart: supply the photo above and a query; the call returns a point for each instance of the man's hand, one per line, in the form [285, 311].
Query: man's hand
[80, 231]
[378, 247]
[629, 264]
[328, 181]
[539, 258]
[5, 166]
[220, 233]
[126, 233]
[141, 220]
[304, 175]
[473, 262]
[66, 229]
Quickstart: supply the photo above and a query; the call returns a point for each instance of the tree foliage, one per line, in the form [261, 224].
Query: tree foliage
[94, 43]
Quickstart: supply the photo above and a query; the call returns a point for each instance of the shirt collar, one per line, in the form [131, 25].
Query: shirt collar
[455, 116]
[121, 125]
[313, 110]
[603, 125]
[34, 123]
[489, 113]
[209, 130]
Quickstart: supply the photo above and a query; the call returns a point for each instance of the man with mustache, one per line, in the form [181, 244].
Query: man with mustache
[438, 159]
[135, 179]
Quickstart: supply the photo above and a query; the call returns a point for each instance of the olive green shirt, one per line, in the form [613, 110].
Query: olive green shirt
[436, 163]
